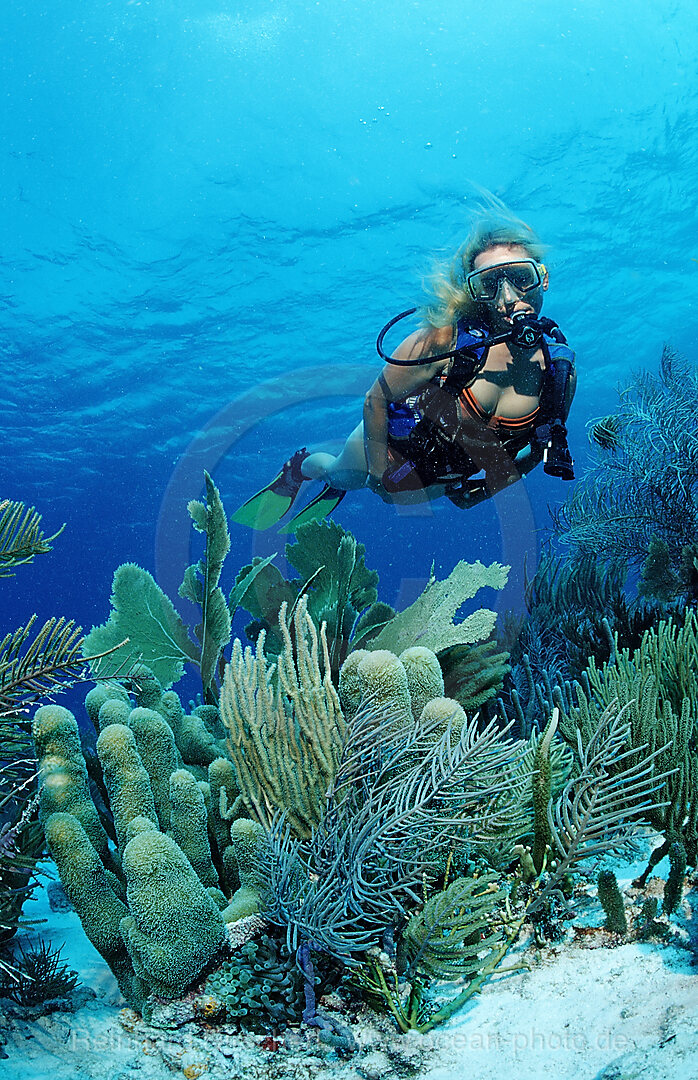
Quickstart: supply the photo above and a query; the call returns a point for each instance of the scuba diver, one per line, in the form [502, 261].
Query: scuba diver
[465, 406]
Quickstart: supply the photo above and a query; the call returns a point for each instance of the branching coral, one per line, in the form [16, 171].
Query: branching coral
[474, 674]
[21, 537]
[458, 934]
[21, 845]
[644, 482]
[398, 795]
[38, 975]
[577, 608]
[657, 688]
[285, 724]
[612, 790]
[452, 935]
[31, 669]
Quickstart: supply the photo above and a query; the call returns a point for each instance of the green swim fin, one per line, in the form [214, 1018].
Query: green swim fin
[274, 500]
[316, 510]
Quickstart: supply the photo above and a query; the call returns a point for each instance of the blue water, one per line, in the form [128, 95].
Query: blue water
[209, 209]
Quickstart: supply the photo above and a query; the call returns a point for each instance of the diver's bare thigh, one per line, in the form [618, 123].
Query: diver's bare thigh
[349, 469]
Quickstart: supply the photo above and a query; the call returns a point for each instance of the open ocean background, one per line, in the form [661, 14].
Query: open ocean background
[209, 209]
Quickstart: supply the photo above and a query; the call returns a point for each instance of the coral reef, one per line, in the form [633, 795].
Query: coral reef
[260, 987]
[329, 805]
[284, 731]
[340, 591]
[612, 902]
[641, 487]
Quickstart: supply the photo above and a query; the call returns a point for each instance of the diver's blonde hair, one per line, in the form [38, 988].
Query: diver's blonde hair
[451, 299]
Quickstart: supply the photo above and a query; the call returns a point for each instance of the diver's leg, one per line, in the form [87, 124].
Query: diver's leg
[346, 471]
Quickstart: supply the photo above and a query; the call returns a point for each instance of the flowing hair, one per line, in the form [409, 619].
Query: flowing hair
[450, 297]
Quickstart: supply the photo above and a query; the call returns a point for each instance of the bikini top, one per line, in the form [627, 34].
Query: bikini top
[403, 414]
[472, 336]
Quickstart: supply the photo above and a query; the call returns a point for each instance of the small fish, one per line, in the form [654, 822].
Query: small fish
[605, 432]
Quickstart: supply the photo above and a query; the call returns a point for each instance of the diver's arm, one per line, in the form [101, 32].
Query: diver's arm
[571, 387]
[474, 490]
[532, 455]
[394, 384]
[376, 431]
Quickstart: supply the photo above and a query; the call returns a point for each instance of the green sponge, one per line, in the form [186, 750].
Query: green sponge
[189, 825]
[113, 711]
[612, 902]
[350, 684]
[156, 747]
[90, 892]
[424, 678]
[127, 782]
[100, 693]
[174, 928]
[384, 686]
[63, 776]
[248, 850]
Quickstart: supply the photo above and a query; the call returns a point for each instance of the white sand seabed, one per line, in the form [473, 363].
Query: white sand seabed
[621, 1013]
[576, 1013]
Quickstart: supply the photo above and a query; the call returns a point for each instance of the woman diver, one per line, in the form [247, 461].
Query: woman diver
[465, 406]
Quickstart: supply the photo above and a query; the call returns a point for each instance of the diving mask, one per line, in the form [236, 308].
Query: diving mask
[523, 276]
